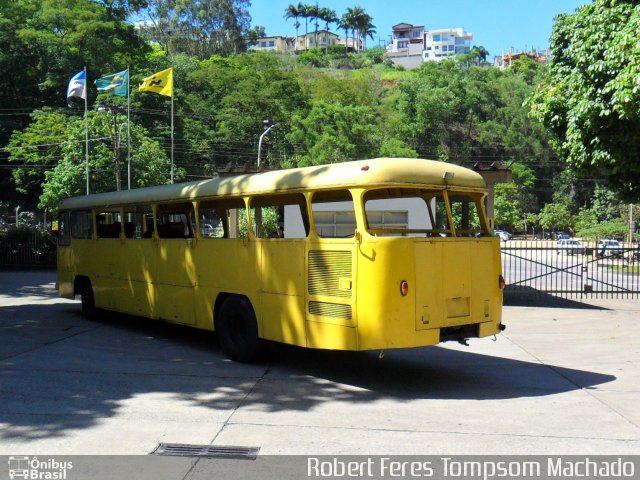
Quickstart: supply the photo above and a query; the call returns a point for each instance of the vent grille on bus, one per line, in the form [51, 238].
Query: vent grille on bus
[326, 269]
[335, 310]
[185, 450]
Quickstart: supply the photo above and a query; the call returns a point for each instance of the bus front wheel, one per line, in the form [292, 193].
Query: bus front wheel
[237, 329]
[89, 310]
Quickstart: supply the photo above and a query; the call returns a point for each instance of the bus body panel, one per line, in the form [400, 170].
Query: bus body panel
[282, 292]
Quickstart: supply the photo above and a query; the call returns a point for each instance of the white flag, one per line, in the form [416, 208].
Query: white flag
[78, 86]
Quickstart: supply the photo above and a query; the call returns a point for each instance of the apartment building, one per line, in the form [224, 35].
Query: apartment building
[444, 43]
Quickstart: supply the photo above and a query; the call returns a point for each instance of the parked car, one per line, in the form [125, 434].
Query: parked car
[609, 248]
[570, 247]
[561, 236]
[504, 236]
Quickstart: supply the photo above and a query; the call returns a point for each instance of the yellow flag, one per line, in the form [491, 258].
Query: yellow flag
[161, 83]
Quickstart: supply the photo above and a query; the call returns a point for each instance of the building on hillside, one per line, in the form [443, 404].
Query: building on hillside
[505, 60]
[407, 45]
[274, 44]
[411, 45]
[308, 41]
[349, 43]
[444, 43]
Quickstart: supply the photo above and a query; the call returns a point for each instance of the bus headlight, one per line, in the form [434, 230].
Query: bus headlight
[404, 288]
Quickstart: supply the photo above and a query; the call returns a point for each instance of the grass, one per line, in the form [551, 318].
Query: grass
[625, 268]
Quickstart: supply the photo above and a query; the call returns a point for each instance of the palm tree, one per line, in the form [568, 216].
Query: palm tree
[349, 23]
[327, 16]
[314, 12]
[367, 29]
[292, 12]
[303, 11]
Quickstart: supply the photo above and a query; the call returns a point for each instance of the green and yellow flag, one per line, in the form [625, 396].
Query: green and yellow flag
[160, 83]
[116, 83]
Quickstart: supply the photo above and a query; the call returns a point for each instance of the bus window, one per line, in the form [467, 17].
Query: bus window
[108, 224]
[81, 225]
[220, 218]
[464, 210]
[64, 237]
[138, 222]
[334, 214]
[280, 216]
[397, 212]
[175, 221]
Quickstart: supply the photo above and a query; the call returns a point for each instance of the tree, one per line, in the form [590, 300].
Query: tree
[149, 163]
[332, 133]
[590, 97]
[292, 12]
[328, 16]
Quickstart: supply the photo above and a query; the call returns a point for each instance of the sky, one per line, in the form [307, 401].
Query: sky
[497, 25]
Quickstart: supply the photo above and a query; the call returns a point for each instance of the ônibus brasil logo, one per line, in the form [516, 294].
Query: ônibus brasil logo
[35, 469]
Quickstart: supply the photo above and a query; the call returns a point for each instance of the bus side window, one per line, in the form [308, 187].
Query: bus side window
[334, 214]
[280, 216]
[174, 221]
[222, 218]
[64, 238]
[81, 225]
[108, 224]
[138, 222]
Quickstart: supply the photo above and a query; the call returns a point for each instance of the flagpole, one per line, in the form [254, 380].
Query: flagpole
[128, 129]
[172, 164]
[86, 128]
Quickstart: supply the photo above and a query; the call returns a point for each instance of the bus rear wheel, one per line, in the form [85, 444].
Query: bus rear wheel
[89, 310]
[238, 330]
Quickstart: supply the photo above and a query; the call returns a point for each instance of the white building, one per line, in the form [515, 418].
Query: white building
[444, 43]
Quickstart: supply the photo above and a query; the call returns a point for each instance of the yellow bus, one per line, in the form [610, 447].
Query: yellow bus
[364, 255]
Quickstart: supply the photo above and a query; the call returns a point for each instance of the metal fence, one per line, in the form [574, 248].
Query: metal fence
[27, 247]
[580, 271]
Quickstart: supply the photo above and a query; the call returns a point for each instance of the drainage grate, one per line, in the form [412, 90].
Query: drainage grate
[185, 450]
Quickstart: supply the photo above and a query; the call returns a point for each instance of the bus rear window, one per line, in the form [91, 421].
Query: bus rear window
[420, 213]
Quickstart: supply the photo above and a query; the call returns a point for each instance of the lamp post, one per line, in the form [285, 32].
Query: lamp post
[269, 127]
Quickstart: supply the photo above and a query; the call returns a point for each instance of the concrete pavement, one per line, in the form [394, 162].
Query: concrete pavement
[558, 381]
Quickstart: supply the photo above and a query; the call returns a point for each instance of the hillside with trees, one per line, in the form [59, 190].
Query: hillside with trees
[328, 105]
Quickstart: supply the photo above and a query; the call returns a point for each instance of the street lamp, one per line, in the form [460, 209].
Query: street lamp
[269, 127]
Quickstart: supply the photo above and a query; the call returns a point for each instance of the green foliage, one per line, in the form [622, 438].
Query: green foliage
[590, 97]
[150, 165]
[611, 229]
[556, 216]
[394, 148]
[332, 133]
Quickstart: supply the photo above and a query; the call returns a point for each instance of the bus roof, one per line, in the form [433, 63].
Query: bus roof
[380, 171]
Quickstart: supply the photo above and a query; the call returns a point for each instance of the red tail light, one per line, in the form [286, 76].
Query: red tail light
[501, 282]
[404, 288]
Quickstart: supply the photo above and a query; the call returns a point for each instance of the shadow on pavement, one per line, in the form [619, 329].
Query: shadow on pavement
[67, 373]
[522, 296]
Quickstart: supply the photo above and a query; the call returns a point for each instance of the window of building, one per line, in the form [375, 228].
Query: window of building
[437, 38]
[451, 48]
[428, 48]
[334, 214]
[415, 33]
[272, 43]
[263, 44]
[403, 44]
[81, 224]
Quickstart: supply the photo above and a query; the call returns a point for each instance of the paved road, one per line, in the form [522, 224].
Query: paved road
[560, 381]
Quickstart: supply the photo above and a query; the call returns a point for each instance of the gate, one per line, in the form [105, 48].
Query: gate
[589, 270]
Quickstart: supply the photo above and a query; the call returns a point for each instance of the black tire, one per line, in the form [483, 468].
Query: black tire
[89, 310]
[238, 329]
